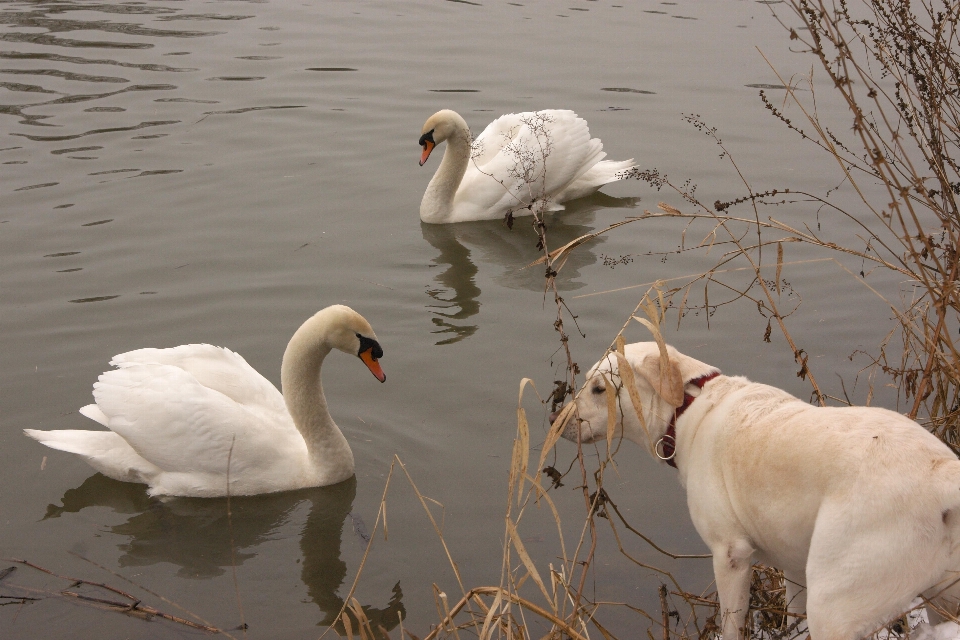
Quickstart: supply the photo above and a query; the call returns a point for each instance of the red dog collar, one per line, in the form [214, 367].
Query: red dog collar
[669, 440]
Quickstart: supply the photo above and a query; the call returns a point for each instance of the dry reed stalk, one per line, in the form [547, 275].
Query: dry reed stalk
[233, 557]
[906, 123]
[133, 605]
[381, 516]
[512, 597]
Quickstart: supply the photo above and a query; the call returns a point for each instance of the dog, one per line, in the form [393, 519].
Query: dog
[858, 506]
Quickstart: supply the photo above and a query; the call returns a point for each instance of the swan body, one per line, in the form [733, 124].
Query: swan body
[521, 159]
[184, 420]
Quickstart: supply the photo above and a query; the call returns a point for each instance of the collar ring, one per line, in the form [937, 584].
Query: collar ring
[662, 444]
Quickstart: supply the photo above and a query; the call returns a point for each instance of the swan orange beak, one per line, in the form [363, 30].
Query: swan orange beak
[373, 365]
[428, 146]
[427, 142]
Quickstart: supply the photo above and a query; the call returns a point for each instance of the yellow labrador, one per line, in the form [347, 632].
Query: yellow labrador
[861, 506]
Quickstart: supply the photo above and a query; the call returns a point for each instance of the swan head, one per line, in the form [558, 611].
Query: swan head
[442, 125]
[350, 332]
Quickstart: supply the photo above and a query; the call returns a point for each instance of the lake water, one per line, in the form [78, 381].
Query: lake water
[185, 171]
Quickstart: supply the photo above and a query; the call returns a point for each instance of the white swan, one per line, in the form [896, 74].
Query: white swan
[176, 416]
[520, 159]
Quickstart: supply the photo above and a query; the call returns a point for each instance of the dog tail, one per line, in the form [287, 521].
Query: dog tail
[947, 484]
[946, 473]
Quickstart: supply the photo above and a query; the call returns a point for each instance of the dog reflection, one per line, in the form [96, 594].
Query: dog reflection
[196, 534]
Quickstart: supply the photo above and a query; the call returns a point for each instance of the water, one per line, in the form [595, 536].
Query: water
[185, 171]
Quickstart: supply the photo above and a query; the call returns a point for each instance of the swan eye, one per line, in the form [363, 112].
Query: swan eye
[369, 344]
[427, 137]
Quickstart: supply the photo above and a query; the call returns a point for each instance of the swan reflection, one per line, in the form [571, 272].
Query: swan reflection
[195, 534]
[458, 296]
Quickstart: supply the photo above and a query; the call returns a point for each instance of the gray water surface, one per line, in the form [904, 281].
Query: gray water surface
[183, 171]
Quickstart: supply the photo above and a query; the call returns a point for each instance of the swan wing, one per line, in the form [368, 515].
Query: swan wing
[179, 424]
[495, 136]
[213, 367]
[525, 157]
[572, 152]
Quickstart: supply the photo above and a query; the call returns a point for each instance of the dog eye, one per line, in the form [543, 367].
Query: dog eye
[598, 390]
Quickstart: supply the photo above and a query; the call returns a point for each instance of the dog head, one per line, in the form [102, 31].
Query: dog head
[659, 386]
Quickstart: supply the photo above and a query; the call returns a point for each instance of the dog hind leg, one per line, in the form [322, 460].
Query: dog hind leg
[863, 571]
[732, 569]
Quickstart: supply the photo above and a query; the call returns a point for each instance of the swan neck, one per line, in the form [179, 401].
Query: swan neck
[437, 203]
[303, 391]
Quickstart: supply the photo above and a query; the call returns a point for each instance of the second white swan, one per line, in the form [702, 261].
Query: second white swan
[521, 160]
[184, 420]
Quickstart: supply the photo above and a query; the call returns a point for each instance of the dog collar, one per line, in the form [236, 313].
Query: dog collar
[668, 443]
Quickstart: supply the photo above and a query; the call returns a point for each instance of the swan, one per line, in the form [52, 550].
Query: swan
[177, 416]
[520, 161]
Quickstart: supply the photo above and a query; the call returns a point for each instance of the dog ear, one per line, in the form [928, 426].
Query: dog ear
[666, 380]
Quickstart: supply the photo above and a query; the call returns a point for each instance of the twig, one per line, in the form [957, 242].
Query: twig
[233, 557]
[135, 605]
[203, 622]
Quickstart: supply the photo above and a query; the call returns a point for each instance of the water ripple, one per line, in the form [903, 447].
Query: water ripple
[66, 75]
[187, 100]
[142, 125]
[26, 88]
[58, 152]
[18, 55]
[59, 25]
[104, 173]
[249, 109]
[94, 299]
[44, 39]
[35, 120]
[38, 186]
[203, 16]
[126, 9]
[157, 172]
[628, 90]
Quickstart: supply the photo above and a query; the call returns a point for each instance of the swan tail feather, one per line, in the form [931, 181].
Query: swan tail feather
[105, 451]
[94, 412]
[604, 172]
[620, 170]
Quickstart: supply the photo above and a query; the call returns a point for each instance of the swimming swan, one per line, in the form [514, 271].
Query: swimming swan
[520, 159]
[176, 416]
